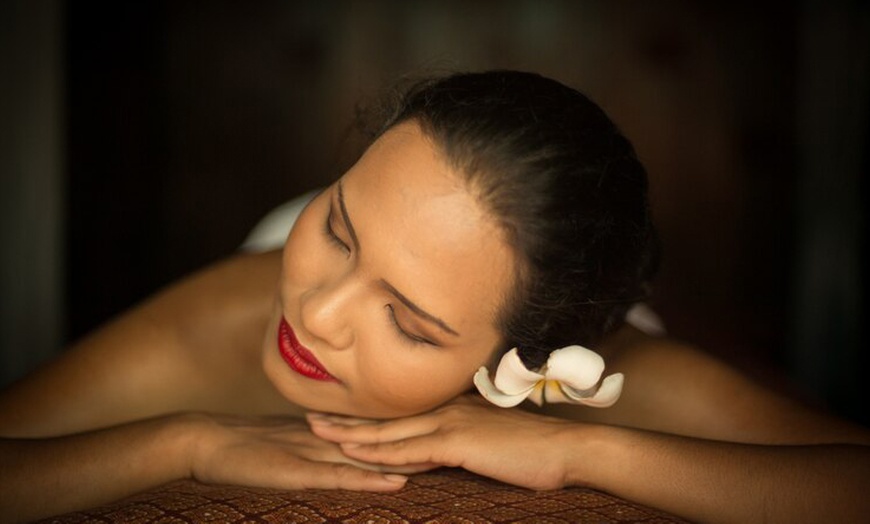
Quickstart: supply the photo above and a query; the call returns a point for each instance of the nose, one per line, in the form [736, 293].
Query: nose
[326, 312]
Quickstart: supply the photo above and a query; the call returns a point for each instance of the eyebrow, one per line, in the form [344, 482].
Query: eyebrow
[420, 312]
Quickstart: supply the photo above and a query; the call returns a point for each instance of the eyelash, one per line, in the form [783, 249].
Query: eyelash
[412, 339]
[333, 238]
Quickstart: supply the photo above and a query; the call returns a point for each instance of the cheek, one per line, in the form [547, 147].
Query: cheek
[416, 383]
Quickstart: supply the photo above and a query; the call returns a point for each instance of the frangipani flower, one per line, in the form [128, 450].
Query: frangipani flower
[571, 375]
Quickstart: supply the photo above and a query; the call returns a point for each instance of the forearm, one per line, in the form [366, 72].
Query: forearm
[712, 481]
[43, 477]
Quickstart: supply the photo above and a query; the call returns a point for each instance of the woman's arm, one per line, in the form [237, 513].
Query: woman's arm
[98, 423]
[699, 479]
[690, 435]
[138, 366]
[44, 477]
[715, 481]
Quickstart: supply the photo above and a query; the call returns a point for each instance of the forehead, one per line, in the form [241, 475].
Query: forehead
[424, 231]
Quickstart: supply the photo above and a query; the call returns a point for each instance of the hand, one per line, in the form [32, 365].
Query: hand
[510, 445]
[280, 453]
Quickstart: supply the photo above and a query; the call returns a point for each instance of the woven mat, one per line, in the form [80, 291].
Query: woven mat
[442, 496]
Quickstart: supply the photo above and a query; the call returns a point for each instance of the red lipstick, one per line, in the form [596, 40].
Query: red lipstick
[298, 357]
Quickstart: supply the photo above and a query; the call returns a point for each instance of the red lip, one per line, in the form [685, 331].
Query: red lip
[298, 357]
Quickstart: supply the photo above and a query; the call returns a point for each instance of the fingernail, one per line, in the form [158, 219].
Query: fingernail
[392, 477]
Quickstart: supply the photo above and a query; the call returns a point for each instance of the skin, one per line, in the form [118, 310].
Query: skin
[190, 383]
[409, 229]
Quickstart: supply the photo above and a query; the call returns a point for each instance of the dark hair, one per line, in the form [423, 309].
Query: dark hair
[565, 185]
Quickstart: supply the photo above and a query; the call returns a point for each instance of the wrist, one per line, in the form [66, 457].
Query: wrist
[185, 438]
[592, 454]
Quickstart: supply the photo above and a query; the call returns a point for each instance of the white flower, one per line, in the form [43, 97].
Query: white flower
[571, 374]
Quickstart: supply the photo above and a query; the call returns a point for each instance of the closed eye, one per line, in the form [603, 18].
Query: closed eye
[329, 231]
[409, 337]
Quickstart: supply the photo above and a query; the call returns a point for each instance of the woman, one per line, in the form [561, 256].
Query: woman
[493, 211]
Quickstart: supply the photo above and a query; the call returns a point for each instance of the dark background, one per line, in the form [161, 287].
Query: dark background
[182, 123]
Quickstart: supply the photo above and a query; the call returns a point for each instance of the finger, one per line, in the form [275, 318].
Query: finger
[334, 454]
[327, 475]
[419, 450]
[375, 432]
[338, 419]
[407, 469]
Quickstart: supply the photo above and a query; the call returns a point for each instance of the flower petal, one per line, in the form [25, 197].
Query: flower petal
[491, 393]
[606, 395]
[553, 393]
[512, 377]
[536, 395]
[575, 366]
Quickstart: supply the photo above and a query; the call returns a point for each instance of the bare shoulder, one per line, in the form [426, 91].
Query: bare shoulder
[674, 387]
[185, 348]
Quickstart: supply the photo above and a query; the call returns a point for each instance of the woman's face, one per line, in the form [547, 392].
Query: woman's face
[391, 283]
